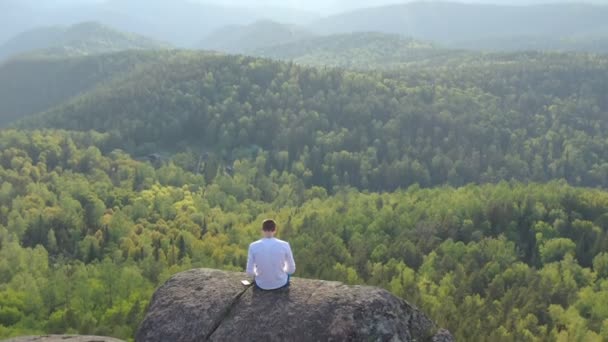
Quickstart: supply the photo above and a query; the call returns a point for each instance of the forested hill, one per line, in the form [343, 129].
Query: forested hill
[36, 83]
[80, 39]
[362, 51]
[530, 117]
[248, 38]
[479, 26]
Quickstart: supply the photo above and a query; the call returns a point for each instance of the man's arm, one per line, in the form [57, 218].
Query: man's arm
[250, 263]
[290, 264]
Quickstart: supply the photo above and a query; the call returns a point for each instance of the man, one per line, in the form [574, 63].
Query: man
[270, 261]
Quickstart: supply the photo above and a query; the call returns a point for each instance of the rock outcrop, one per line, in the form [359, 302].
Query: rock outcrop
[212, 305]
[63, 338]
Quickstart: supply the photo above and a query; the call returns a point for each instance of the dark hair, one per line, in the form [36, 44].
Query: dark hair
[269, 226]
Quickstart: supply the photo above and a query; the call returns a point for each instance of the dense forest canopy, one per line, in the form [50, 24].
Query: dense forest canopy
[36, 83]
[469, 183]
[87, 233]
[530, 117]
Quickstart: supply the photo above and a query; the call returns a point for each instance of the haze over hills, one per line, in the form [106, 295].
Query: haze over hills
[580, 27]
[248, 38]
[80, 39]
[361, 50]
[35, 83]
[184, 23]
[457, 24]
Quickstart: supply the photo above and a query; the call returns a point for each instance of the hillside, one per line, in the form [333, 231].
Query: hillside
[590, 43]
[483, 119]
[247, 38]
[80, 39]
[181, 23]
[36, 83]
[459, 24]
[363, 51]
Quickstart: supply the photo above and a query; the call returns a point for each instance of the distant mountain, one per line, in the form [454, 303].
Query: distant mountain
[180, 22]
[18, 16]
[185, 22]
[81, 39]
[365, 50]
[32, 84]
[458, 24]
[247, 38]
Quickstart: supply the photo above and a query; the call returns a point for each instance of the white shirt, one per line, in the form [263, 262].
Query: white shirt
[270, 261]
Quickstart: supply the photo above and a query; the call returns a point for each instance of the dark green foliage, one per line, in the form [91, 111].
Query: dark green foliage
[481, 118]
[249, 38]
[33, 84]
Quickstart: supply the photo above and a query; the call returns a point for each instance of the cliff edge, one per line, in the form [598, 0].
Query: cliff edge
[213, 305]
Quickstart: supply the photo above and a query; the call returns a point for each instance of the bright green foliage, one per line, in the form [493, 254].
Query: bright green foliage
[87, 233]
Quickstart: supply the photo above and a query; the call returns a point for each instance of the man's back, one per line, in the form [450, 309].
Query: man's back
[270, 260]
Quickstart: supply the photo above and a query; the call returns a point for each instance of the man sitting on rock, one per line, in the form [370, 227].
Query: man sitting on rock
[270, 261]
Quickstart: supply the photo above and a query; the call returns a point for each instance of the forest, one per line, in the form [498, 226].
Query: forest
[529, 117]
[87, 233]
[35, 83]
[471, 184]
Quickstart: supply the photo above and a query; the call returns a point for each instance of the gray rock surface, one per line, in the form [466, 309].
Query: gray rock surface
[63, 338]
[212, 305]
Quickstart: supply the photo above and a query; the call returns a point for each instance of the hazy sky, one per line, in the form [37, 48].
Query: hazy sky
[341, 5]
[319, 6]
[309, 5]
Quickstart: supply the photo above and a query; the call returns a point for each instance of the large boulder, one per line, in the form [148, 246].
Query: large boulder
[212, 305]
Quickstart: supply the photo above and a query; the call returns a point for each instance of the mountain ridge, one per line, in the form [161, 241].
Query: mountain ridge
[79, 39]
[450, 23]
[247, 38]
[464, 111]
[359, 51]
